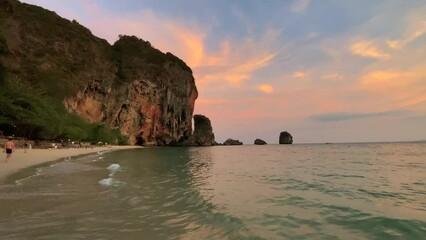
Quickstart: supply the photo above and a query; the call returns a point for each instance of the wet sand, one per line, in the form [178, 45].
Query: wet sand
[21, 160]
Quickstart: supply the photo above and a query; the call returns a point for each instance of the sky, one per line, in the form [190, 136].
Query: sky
[323, 70]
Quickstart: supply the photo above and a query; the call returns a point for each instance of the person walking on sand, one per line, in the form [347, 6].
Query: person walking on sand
[9, 147]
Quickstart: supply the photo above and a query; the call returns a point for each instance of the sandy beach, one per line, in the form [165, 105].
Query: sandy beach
[21, 160]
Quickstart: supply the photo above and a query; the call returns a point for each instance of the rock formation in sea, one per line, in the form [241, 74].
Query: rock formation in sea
[131, 86]
[285, 138]
[231, 141]
[259, 142]
[203, 132]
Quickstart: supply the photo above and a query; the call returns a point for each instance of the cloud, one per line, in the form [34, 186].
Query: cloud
[385, 78]
[243, 71]
[192, 41]
[332, 76]
[299, 74]
[392, 89]
[415, 31]
[236, 60]
[393, 43]
[266, 88]
[346, 116]
[368, 49]
[413, 102]
[382, 79]
[300, 5]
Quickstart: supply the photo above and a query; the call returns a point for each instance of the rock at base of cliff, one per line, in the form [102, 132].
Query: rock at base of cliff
[203, 132]
[259, 142]
[231, 141]
[285, 138]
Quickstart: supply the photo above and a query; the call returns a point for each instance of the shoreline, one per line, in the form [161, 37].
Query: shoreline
[33, 157]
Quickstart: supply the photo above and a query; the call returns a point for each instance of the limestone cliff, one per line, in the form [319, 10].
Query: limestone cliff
[148, 95]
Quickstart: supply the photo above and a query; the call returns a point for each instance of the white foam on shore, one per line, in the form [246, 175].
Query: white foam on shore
[106, 182]
[113, 168]
[39, 171]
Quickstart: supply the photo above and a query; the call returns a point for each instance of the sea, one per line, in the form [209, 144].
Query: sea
[299, 191]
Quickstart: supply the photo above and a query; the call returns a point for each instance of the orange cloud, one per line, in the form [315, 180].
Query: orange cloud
[192, 43]
[413, 102]
[266, 88]
[368, 49]
[243, 71]
[299, 74]
[236, 77]
[396, 89]
[333, 76]
[256, 63]
[384, 79]
[393, 44]
[417, 30]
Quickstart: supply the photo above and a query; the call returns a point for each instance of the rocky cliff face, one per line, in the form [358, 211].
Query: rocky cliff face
[148, 95]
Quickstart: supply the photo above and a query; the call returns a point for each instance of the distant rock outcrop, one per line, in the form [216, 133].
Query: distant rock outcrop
[231, 141]
[203, 132]
[285, 138]
[259, 142]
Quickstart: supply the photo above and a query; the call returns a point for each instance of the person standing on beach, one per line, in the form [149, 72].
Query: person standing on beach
[9, 147]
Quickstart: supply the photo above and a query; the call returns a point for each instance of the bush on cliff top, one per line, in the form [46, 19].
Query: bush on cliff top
[131, 51]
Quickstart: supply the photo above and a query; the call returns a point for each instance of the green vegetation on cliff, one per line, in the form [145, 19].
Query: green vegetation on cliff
[3, 51]
[129, 49]
[32, 114]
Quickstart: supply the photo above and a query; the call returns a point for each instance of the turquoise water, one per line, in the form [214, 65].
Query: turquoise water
[323, 191]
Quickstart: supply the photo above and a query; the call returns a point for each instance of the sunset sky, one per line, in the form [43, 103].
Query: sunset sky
[326, 71]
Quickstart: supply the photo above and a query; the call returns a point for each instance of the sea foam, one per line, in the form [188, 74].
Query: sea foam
[106, 182]
[113, 168]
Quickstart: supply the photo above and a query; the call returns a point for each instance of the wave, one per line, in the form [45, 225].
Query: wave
[113, 168]
[106, 182]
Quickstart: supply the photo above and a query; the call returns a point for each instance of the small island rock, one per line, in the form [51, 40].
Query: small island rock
[285, 138]
[231, 141]
[203, 132]
[259, 142]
